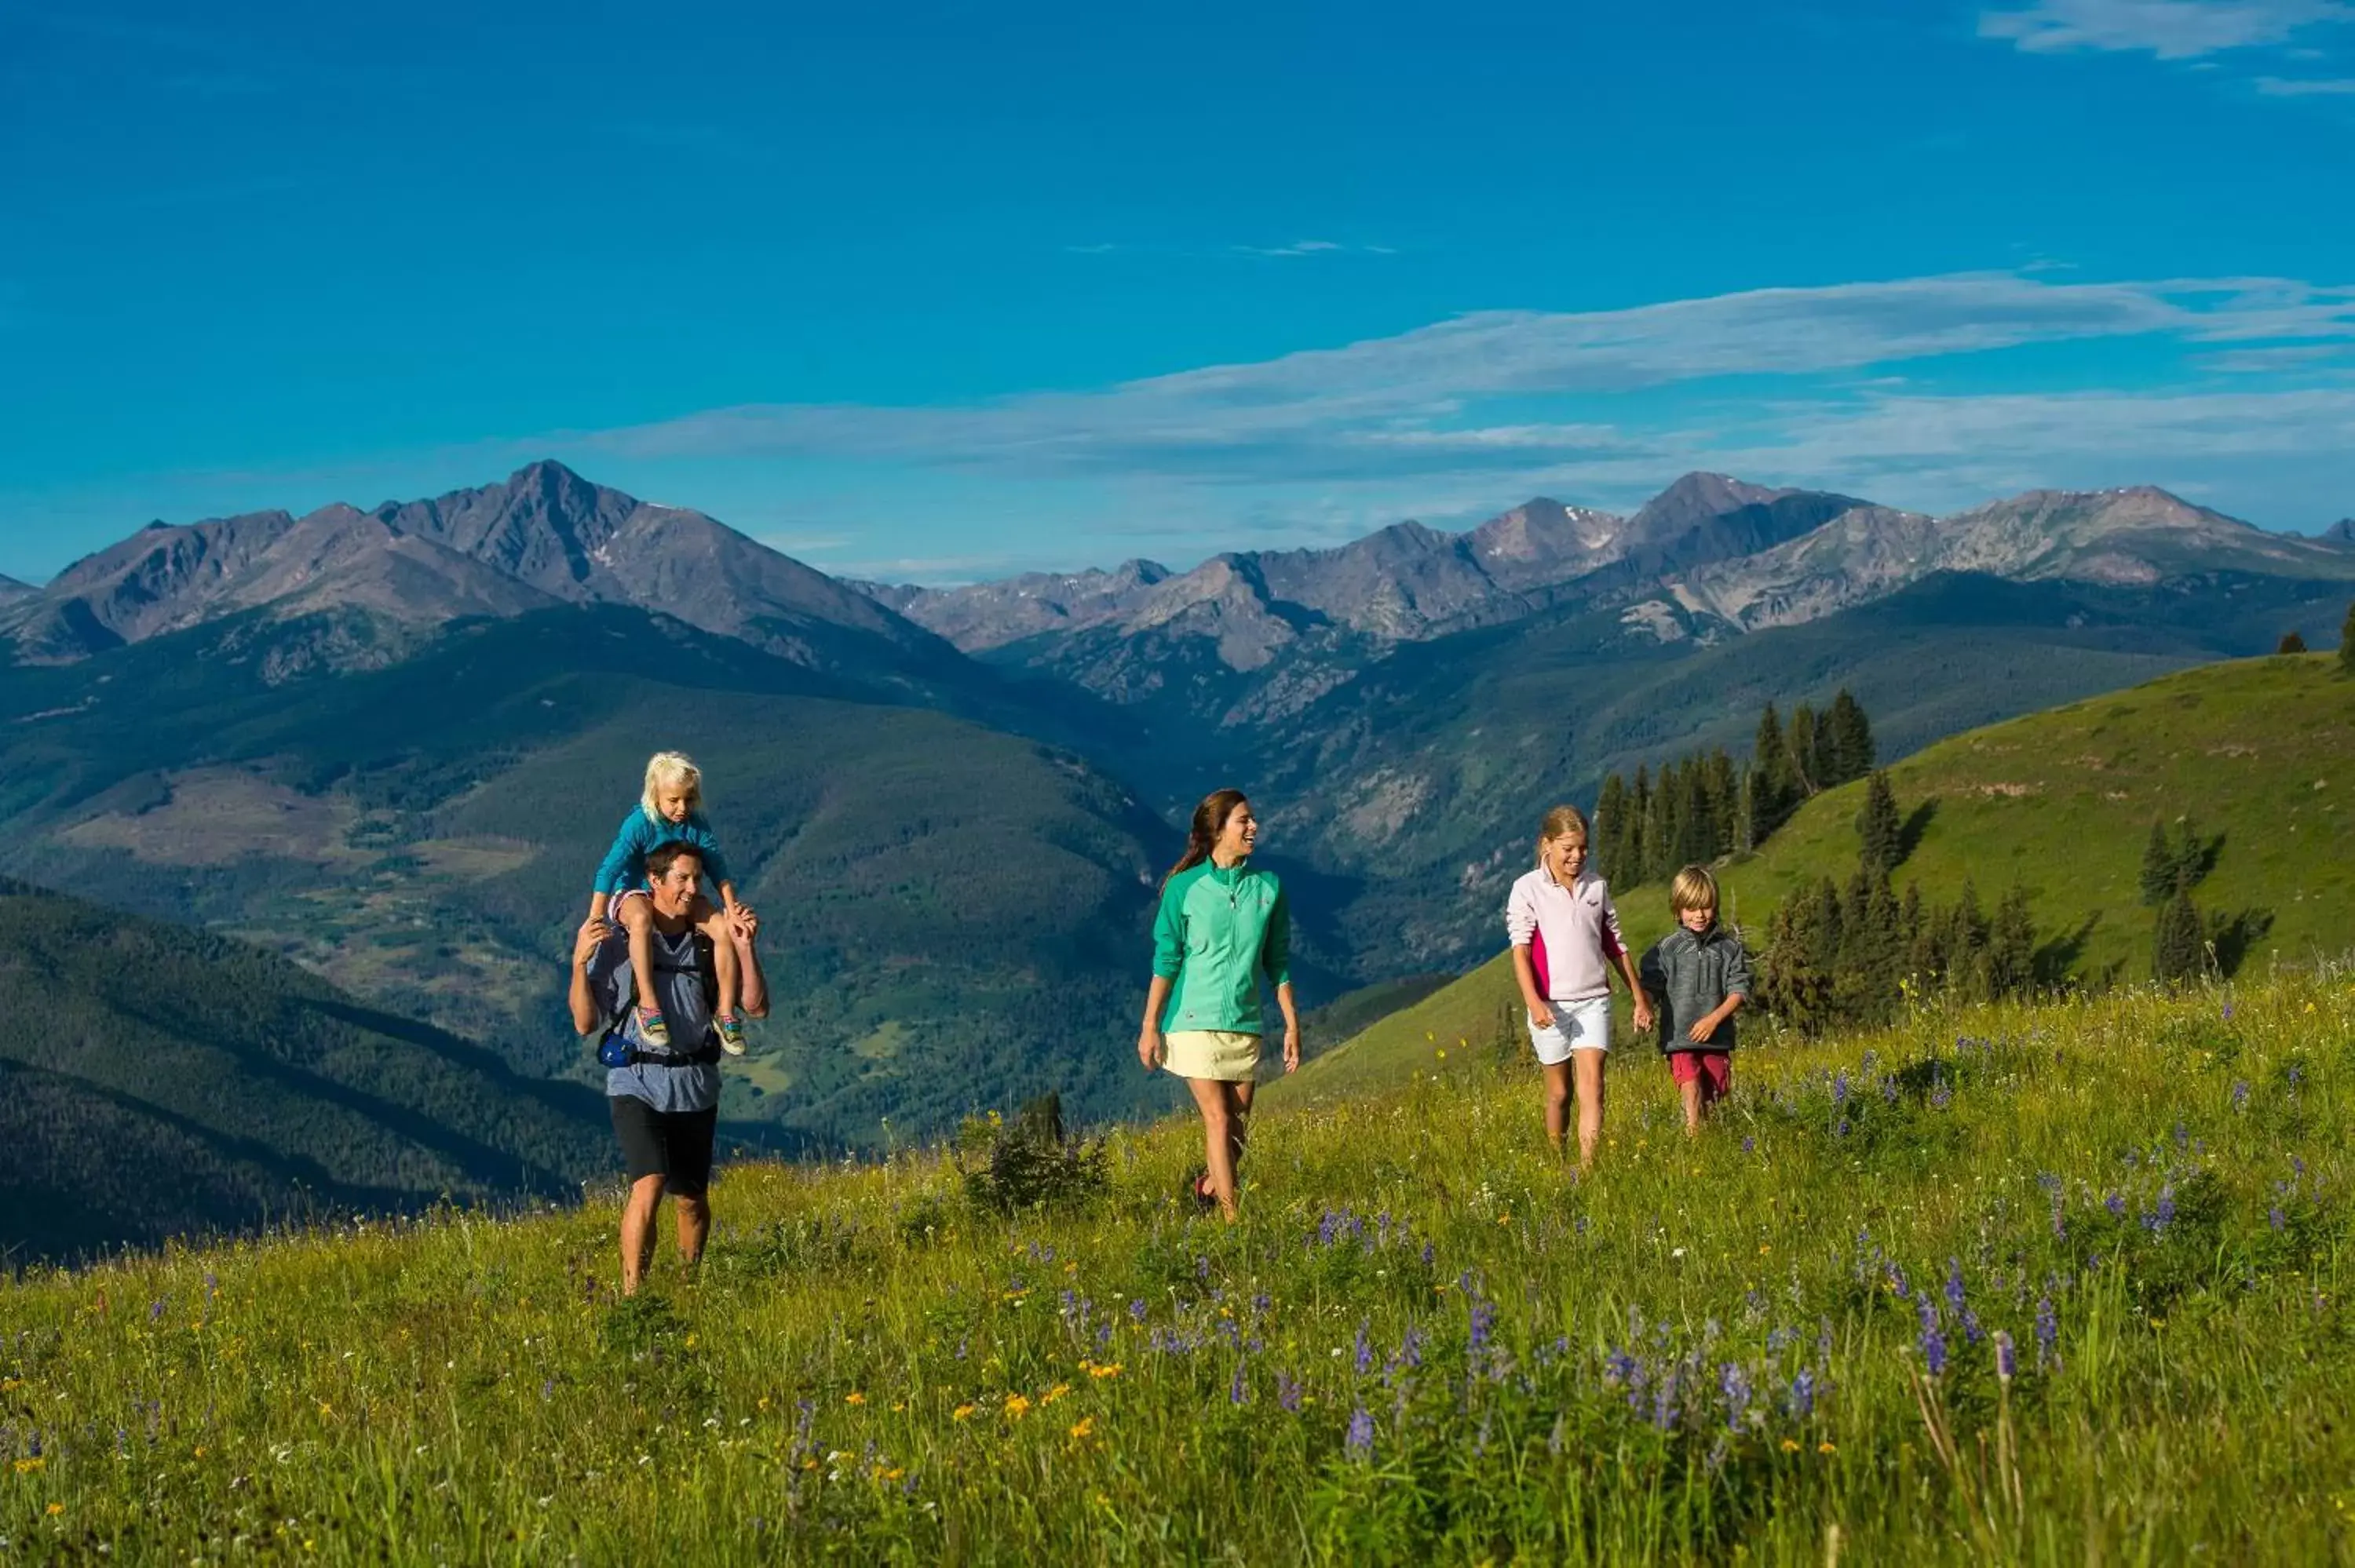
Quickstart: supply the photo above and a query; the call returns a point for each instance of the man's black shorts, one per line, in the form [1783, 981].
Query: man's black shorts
[673, 1145]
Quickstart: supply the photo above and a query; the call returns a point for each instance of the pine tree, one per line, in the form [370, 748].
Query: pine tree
[1772, 793]
[1848, 750]
[1802, 940]
[1966, 947]
[2346, 644]
[2176, 939]
[1745, 811]
[1879, 826]
[1801, 749]
[2158, 872]
[2011, 946]
[1724, 791]
[1909, 925]
[1611, 835]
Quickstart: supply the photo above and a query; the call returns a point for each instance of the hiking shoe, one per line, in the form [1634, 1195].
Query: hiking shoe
[652, 1029]
[732, 1034]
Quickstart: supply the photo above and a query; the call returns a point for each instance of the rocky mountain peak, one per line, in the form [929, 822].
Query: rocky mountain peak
[2340, 533]
[1693, 500]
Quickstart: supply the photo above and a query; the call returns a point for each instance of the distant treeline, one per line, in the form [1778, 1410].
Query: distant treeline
[1703, 807]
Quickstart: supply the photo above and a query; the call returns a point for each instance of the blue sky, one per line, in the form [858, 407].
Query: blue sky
[942, 291]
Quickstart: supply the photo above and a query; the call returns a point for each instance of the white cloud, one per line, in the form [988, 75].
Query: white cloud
[2305, 86]
[2169, 29]
[1387, 410]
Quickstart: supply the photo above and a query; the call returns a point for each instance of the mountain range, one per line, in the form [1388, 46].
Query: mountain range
[390, 743]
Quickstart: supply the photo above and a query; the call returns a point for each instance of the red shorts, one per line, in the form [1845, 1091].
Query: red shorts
[1714, 1069]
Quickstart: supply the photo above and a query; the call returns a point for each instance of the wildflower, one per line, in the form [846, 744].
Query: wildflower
[1054, 1393]
[1136, 1309]
[1484, 1323]
[1287, 1392]
[1735, 1384]
[854, 1398]
[1954, 1284]
[1826, 1448]
[1084, 1428]
[1839, 1088]
[1365, 1359]
[2275, 1217]
[1239, 1391]
[1749, 1145]
[26, 1467]
[1802, 1400]
[962, 1413]
[2116, 1206]
[2003, 1358]
[56, 1508]
[1790, 1444]
[1359, 1439]
[2240, 1094]
[1933, 1342]
[1018, 1406]
[2048, 1332]
[1105, 1372]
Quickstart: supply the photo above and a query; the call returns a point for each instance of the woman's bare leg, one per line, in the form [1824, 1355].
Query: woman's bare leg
[1215, 1099]
[1557, 1102]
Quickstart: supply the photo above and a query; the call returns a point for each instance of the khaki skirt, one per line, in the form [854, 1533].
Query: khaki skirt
[1211, 1054]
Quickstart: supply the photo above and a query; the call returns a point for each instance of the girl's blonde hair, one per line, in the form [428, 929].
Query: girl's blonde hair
[1694, 888]
[1563, 820]
[671, 769]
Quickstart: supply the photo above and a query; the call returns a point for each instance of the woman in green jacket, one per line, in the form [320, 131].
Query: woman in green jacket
[1222, 922]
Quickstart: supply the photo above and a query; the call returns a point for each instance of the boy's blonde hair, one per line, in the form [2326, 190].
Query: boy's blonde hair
[671, 769]
[1561, 822]
[1694, 888]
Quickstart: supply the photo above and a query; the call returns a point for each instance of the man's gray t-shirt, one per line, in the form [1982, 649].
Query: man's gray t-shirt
[686, 1008]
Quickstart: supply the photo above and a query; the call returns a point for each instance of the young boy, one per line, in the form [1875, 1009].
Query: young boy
[1699, 976]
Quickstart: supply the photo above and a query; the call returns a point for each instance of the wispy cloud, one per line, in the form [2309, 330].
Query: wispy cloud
[1420, 403]
[2305, 86]
[2169, 29]
[1314, 247]
[2273, 360]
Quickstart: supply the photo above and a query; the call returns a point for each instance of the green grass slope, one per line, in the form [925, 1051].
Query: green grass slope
[1426, 1342]
[159, 1082]
[2257, 751]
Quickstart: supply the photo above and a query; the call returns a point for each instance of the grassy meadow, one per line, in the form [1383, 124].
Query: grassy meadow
[1786, 1342]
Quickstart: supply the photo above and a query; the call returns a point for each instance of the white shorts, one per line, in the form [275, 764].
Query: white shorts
[1577, 1026]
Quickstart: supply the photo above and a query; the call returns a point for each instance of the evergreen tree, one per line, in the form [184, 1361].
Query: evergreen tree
[2011, 946]
[1848, 741]
[2176, 938]
[1745, 811]
[1866, 984]
[1909, 925]
[2292, 642]
[1878, 827]
[1802, 942]
[1801, 749]
[2158, 871]
[1966, 947]
[1610, 835]
[2346, 644]
[1695, 819]
[1724, 791]
[1772, 790]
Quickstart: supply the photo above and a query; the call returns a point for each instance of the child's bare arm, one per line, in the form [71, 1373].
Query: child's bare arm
[598, 904]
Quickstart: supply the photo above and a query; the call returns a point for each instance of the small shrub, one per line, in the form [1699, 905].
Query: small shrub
[1029, 1163]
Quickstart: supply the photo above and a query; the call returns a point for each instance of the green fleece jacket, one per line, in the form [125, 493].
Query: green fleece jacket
[1216, 931]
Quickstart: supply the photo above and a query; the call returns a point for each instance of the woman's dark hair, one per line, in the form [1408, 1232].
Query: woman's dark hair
[1210, 820]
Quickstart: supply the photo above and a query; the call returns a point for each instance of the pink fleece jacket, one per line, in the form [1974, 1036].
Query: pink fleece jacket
[1572, 933]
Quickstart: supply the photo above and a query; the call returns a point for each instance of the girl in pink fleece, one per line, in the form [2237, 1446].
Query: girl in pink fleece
[1566, 941]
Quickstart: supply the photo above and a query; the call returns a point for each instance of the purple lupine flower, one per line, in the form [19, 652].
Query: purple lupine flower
[155, 1312]
[2182, 1135]
[1749, 1146]
[1621, 1367]
[2240, 1094]
[1934, 1342]
[2228, 1013]
[2297, 1076]
[1889, 1091]
[1360, 1437]
[1136, 1311]
[1897, 1284]
[1839, 1088]
[2047, 1333]
[2163, 1215]
[1802, 1397]
[1664, 1402]
[1410, 1350]
[1426, 1255]
[1239, 1392]
[1735, 1384]
[1840, 1127]
[2003, 1358]
[1941, 1096]
[1288, 1391]
[1365, 1351]
[2116, 1206]
[1484, 1323]
[1954, 1284]
[2276, 1218]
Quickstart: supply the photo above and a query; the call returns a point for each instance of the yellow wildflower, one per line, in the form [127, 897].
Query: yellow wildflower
[1102, 1372]
[1017, 1406]
[56, 1508]
[1826, 1448]
[1764, 1248]
[962, 1413]
[1085, 1427]
[26, 1467]
[1790, 1444]
[854, 1398]
[1055, 1393]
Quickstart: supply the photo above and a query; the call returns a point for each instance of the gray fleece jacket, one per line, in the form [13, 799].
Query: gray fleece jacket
[1687, 978]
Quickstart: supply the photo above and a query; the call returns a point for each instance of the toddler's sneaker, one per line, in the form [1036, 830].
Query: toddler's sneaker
[732, 1034]
[653, 1029]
